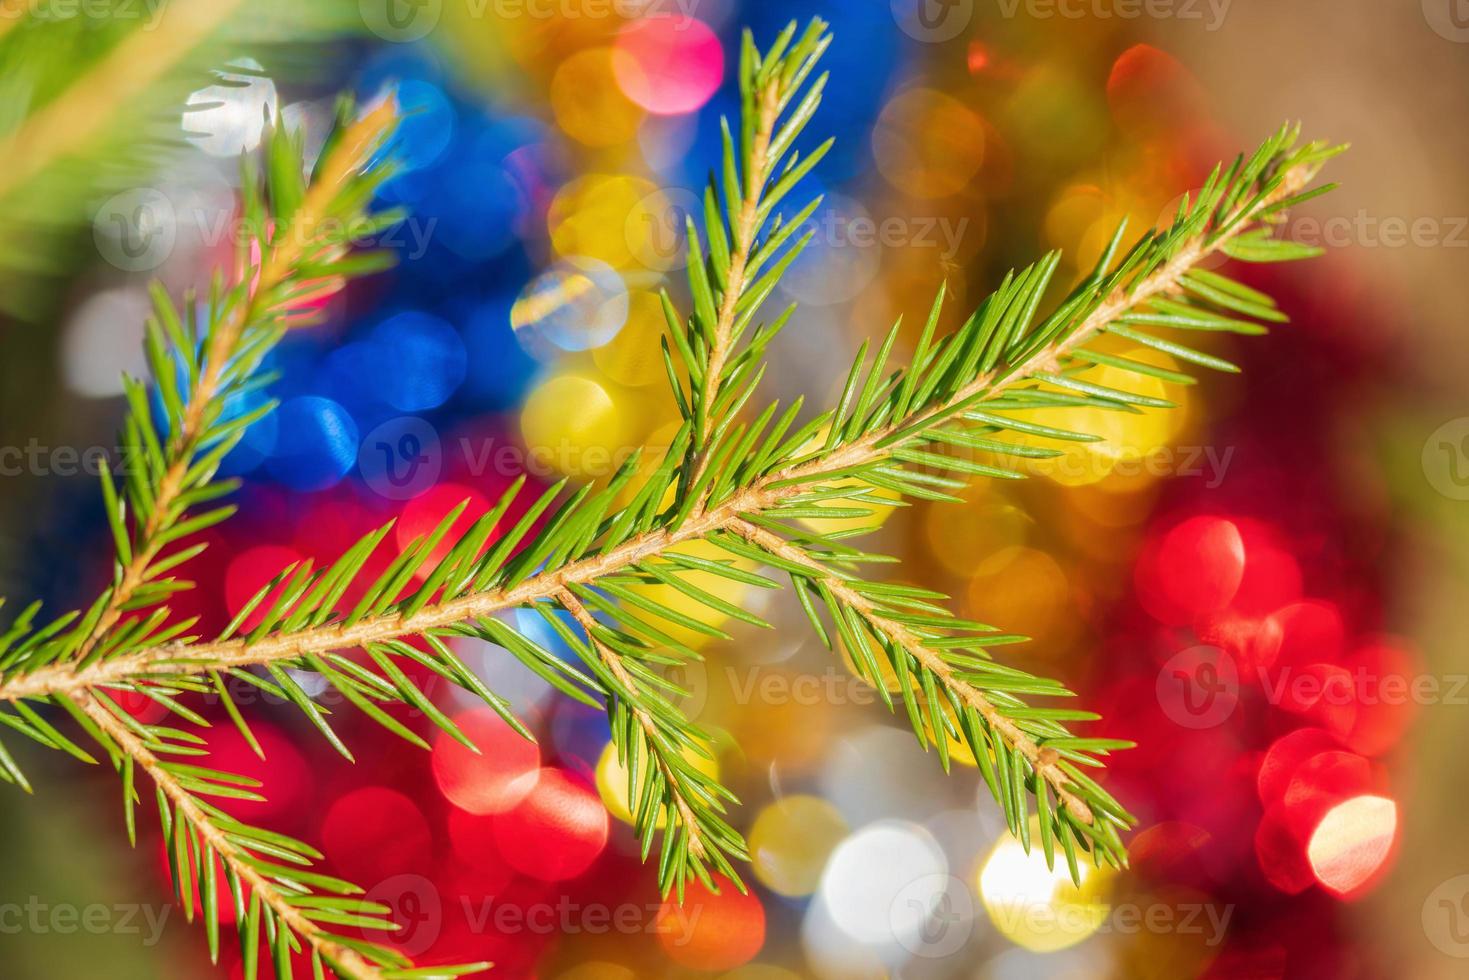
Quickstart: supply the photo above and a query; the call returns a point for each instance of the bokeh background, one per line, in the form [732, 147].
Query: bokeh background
[1264, 588]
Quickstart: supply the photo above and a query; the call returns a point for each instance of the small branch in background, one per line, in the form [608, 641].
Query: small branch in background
[65, 124]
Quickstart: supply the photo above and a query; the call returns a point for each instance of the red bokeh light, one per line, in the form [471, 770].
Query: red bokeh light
[472, 838]
[1151, 92]
[1191, 571]
[1285, 756]
[423, 513]
[712, 932]
[374, 832]
[668, 65]
[495, 779]
[557, 831]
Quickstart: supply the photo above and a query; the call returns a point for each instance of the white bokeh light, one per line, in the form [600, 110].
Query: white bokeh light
[868, 884]
[227, 119]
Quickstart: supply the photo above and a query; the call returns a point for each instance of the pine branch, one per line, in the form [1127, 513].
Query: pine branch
[958, 410]
[727, 294]
[780, 485]
[92, 100]
[176, 482]
[278, 901]
[1012, 744]
[676, 795]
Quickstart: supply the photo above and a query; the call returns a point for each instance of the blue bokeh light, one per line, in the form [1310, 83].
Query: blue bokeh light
[316, 443]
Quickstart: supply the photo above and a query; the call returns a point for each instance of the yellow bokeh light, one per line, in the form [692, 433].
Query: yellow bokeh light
[598, 970]
[791, 840]
[961, 536]
[587, 103]
[685, 605]
[572, 426]
[1132, 444]
[760, 971]
[928, 144]
[612, 777]
[1024, 591]
[1041, 908]
[634, 357]
[591, 216]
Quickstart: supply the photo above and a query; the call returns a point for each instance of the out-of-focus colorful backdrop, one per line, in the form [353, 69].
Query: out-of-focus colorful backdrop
[1263, 589]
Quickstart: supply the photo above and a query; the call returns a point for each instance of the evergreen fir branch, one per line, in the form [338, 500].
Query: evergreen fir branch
[91, 102]
[659, 748]
[201, 373]
[957, 410]
[951, 689]
[197, 375]
[957, 393]
[725, 283]
[281, 905]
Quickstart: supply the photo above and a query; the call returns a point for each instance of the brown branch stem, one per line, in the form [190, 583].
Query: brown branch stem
[216, 841]
[280, 258]
[183, 658]
[1040, 760]
[613, 663]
